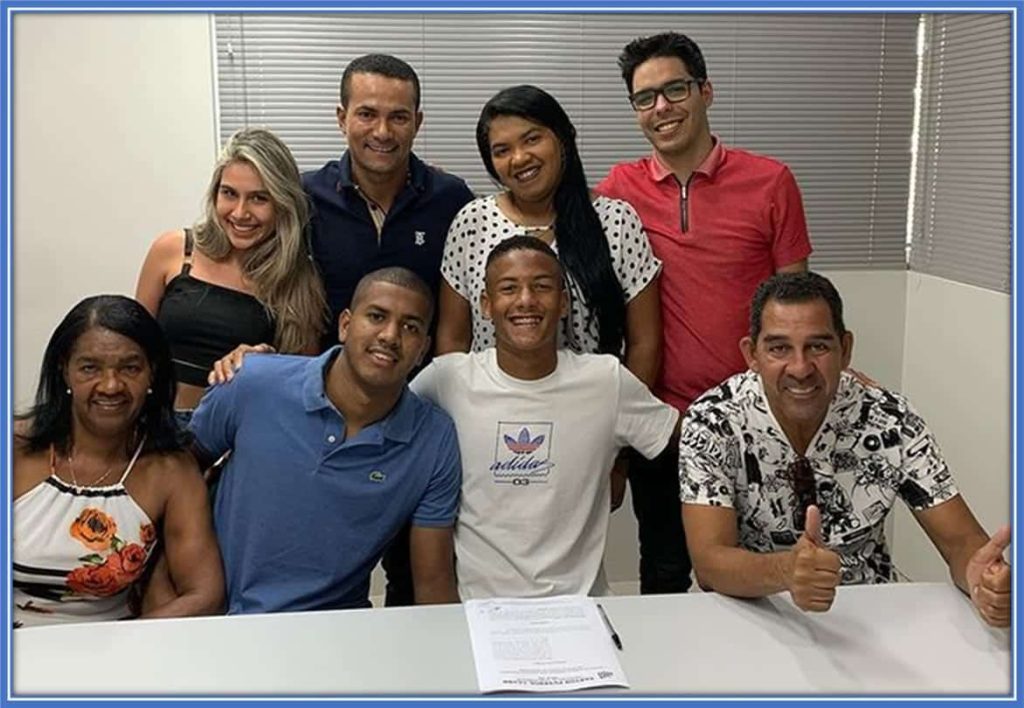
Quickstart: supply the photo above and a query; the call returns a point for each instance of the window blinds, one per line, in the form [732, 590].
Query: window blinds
[829, 94]
[962, 219]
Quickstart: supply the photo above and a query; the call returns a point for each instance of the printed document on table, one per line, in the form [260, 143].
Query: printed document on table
[547, 644]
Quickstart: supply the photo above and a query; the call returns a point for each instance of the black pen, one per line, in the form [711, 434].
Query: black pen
[611, 629]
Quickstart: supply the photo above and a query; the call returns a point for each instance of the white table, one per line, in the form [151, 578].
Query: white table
[904, 638]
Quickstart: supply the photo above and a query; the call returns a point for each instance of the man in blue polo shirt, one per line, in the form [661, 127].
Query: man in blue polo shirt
[331, 457]
[379, 205]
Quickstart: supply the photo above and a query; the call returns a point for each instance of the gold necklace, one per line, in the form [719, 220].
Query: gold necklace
[537, 229]
[74, 479]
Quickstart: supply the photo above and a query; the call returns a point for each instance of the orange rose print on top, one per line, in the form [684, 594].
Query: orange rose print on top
[116, 573]
[100, 580]
[94, 529]
[147, 534]
[132, 559]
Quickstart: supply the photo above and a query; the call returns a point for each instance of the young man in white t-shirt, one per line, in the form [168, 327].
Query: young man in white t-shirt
[538, 430]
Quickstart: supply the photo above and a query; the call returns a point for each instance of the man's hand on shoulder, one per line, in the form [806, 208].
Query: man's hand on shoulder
[224, 368]
[812, 572]
[989, 580]
[864, 378]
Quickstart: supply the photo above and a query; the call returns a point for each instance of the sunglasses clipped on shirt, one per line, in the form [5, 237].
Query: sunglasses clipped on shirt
[674, 92]
[801, 476]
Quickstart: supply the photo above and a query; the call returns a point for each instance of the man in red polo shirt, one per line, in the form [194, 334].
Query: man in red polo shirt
[721, 220]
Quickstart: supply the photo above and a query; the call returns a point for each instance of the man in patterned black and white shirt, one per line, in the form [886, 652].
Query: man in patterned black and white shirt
[788, 471]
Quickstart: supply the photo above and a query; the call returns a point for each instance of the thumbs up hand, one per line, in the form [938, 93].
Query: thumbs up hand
[812, 526]
[813, 570]
[988, 580]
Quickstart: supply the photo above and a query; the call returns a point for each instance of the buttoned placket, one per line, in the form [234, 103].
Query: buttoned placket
[378, 217]
[333, 439]
[377, 214]
[333, 436]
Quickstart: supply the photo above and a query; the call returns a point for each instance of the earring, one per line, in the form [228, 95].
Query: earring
[149, 392]
[69, 391]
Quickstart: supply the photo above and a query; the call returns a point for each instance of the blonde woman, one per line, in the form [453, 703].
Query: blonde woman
[243, 274]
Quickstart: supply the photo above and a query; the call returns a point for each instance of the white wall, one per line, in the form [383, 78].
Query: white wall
[113, 144]
[956, 372]
[874, 303]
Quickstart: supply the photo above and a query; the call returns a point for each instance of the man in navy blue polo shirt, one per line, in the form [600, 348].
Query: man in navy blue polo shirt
[331, 457]
[379, 205]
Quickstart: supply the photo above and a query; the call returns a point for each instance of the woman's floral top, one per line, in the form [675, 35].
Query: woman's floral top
[77, 552]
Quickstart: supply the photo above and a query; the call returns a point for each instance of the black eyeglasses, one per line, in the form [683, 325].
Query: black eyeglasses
[673, 91]
[801, 475]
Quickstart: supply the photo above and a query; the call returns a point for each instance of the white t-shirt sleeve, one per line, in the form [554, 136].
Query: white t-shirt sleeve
[440, 381]
[643, 422]
[427, 383]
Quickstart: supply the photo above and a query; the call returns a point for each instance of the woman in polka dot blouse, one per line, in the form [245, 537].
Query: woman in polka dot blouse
[528, 144]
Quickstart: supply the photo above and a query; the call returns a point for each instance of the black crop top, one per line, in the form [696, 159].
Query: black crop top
[203, 322]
